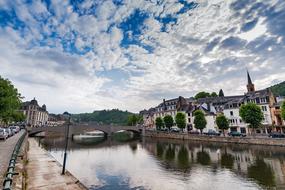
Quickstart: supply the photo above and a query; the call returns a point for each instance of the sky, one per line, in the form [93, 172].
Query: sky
[85, 55]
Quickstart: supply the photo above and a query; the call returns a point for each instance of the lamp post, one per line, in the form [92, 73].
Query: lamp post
[66, 115]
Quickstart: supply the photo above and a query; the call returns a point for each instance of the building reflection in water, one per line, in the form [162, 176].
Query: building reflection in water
[262, 165]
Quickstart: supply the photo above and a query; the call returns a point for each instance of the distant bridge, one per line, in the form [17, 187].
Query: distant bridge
[81, 128]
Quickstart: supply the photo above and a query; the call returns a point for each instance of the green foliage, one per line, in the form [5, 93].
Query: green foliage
[205, 95]
[202, 95]
[199, 120]
[10, 102]
[159, 123]
[113, 116]
[180, 120]
[283, 110]
[278, 89]
[168, 121]
[214, 94]
[134, 119]
[252, 114]
[221, 93]
[222, 122]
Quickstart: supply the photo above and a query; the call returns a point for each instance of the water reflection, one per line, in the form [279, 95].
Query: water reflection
[171, 164]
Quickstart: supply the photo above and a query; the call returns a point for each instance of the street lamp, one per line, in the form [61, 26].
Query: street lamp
[68, 117]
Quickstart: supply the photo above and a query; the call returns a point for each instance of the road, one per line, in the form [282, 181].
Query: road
[6, 150]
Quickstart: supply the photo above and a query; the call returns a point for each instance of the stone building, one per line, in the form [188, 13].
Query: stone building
[227, 105]
[35, 115]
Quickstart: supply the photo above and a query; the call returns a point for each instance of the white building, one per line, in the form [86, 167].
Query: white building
[35, 115]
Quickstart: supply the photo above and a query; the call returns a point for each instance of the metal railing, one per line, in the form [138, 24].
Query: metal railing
[7, 184]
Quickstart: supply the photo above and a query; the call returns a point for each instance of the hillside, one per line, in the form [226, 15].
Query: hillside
[113, 116]
[278, 89]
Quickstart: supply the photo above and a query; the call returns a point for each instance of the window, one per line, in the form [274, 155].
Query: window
[264, 108]
[189, 120]
[232, 113]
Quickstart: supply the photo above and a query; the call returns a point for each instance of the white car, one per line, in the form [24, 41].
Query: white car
[3, 134]
[16, 129]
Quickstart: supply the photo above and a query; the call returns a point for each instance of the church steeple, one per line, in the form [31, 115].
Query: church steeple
[250, 85]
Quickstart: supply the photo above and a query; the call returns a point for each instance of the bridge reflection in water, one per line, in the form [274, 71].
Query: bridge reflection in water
[176, 164]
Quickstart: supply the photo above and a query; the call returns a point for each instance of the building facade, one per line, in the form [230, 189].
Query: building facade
[227, 105]
[35, 115]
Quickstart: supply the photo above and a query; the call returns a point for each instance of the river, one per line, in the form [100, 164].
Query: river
[162, 164]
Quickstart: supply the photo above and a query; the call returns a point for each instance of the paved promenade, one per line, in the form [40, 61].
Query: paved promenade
[44, 172]
[6, 149]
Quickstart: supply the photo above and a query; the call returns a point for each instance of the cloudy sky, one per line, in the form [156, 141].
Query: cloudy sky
[88, 55]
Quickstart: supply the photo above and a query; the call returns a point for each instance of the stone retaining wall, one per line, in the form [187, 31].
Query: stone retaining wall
[236, 140]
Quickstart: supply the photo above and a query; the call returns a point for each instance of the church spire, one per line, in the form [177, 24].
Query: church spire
[250, 85]
[248, 78]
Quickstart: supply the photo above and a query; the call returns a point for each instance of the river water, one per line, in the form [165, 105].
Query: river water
[162, 164]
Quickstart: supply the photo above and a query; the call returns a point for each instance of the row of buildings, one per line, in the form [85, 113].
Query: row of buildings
[37, 116]
[228, 105]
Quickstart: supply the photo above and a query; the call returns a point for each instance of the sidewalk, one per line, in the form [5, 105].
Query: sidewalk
[44, 172]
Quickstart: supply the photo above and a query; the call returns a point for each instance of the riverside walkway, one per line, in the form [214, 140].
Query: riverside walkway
[44, 172]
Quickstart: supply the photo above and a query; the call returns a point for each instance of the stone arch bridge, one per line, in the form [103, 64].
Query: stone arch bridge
[81, 128]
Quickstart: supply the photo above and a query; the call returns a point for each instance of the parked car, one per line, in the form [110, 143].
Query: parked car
[164, 129]
[212, 132]
[3, 134]
[175, 129]
[9, 132]
[276, 135]
[236, 134]
[16, 129]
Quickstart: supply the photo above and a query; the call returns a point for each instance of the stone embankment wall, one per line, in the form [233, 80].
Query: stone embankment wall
[236, 140]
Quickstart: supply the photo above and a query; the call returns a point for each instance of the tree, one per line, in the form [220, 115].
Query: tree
[214, 94]
[168, 121]
[251, 114]
[134, 119]
[10, 102]
[180, 120]
[202, 95]
[222, 123]
[283, 110]
[221, 93]
[199, 120]
[159, 123]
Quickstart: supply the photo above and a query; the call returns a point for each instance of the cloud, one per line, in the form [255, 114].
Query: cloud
[132, 54]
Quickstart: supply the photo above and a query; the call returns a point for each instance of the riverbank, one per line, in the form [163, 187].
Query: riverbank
[44, 172]
[235, 140]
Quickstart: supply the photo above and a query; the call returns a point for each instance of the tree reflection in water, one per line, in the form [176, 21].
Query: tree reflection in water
[183, 158]
[170, 153]
[227, 160]
[262, 173]
[159, 150]
[203, 158]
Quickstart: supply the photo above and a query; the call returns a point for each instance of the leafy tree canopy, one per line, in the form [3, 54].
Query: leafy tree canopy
[222, 122]
[205, 95]
[168, 121]
[180, 120]
[252, 114]
[134, 119]
[113, 116]
[159, 123]
[278, 89]
[10, 102]
[199, 120]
